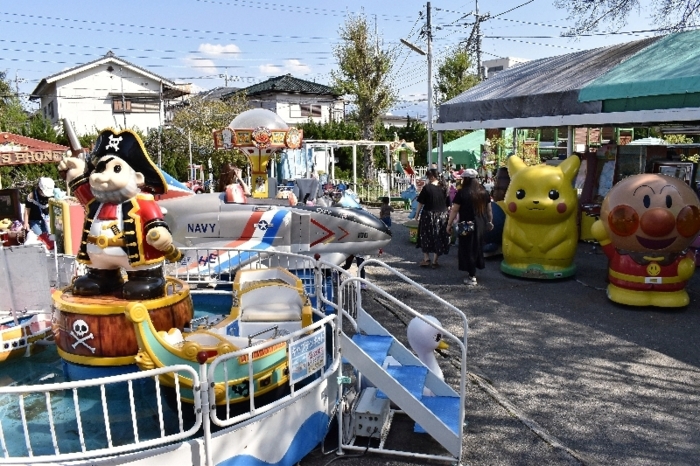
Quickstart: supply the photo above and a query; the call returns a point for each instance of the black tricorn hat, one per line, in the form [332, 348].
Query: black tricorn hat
[128, 146]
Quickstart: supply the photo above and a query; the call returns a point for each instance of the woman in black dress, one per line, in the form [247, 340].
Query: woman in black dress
[472, 203]
[432, 225]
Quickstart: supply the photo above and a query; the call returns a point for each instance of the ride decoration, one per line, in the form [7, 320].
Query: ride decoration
[647, 222]
[124, 226]
[259, 134]
[540, 234]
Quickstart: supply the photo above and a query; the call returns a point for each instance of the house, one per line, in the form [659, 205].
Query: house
[296, 100]
[107, 92]
[389, 120]
[492, 67]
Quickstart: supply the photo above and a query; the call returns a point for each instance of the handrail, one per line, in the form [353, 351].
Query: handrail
[445, 333]
[49, 391]
[248, 353]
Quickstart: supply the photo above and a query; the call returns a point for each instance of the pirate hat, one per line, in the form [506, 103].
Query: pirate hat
[127, 146]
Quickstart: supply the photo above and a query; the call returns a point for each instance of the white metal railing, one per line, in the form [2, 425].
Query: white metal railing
[65, 433]
[253, 409]
[95, 410]
[349, 289]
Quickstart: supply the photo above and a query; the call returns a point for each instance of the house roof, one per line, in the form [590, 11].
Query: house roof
[288, 83]
[29, 143]
[218, 93]
[171, 89]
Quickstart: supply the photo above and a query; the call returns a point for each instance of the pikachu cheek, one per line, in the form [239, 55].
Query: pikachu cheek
[512, 206]
[561, 207]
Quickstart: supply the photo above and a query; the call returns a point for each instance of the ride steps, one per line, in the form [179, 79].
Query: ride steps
[404, 382]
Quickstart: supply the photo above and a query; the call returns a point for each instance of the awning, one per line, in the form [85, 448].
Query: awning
[464, 151]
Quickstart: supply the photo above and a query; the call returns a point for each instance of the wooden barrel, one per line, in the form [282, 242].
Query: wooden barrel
[94, 331]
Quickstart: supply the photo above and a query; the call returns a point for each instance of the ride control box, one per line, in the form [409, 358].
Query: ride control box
[371, 416]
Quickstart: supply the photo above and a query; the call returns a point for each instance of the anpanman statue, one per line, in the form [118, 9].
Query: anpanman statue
[646, 224]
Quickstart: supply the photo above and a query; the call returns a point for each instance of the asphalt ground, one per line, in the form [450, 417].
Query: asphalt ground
[558, 373]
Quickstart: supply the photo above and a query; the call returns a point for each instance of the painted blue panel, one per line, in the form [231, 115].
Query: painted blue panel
[310, 434]
[412, 378]
[376, 346]
[444, 407]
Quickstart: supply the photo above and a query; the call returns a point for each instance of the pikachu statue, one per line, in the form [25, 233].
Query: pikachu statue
[540, 233]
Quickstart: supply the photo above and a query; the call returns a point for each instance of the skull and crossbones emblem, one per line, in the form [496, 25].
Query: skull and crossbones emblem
[80, 333]
[114, 143]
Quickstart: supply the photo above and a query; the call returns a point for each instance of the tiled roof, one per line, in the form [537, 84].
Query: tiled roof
[287, 83]
[218, 93]
[29, 143]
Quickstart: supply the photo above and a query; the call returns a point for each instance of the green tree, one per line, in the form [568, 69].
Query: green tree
[363, 74]
[39, 127]
[13, 117]
[192, 126]
[455, 74]
[593, 15]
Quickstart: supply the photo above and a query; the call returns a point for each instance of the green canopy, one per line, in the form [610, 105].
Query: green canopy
[465, 151]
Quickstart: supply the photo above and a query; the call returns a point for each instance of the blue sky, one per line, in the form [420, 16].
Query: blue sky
[206, 42]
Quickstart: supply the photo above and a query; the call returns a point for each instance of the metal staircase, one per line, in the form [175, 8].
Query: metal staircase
[404, 381]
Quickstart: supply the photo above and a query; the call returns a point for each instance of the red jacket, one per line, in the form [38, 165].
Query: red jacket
[655, 272]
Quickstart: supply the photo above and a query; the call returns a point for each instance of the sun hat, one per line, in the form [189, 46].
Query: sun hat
[46, 186]
[469, 173]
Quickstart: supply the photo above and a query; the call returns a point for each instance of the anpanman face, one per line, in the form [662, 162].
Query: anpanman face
[651, 212]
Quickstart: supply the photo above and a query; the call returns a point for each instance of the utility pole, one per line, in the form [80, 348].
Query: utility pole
[121, 79]
[429, 36]
[479, 70]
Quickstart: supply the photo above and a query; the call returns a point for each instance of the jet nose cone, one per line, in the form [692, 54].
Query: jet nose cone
[372, 221]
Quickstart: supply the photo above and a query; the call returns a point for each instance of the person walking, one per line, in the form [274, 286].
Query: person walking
[433, 237]
[471, 203]
[385, 211]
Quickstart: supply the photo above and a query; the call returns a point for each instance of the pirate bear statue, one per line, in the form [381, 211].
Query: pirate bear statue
[124, 227]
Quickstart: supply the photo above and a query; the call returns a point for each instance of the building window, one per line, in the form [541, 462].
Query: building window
[135, 105]
[310, 110]
[121, 106]
[50, 110]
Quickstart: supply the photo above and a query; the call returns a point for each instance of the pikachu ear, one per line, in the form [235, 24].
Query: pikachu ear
[570, 167]
[515, 164]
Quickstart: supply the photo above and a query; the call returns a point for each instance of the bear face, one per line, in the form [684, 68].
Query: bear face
[541, 194]
[651, 212]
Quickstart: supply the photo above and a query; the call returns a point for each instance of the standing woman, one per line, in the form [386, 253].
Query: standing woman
[432, 225]
[472, 203]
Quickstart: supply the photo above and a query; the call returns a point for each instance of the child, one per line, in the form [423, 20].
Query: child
[385, 212]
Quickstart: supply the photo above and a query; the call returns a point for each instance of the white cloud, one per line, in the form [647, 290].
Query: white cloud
[296, 67]
[293, 67]
[201, 65]
[229, 50]
[270, 69]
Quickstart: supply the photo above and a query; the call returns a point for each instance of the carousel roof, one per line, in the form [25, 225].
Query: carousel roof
[256, 118]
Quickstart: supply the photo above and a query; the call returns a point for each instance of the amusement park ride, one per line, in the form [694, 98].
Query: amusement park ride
[161, 359]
